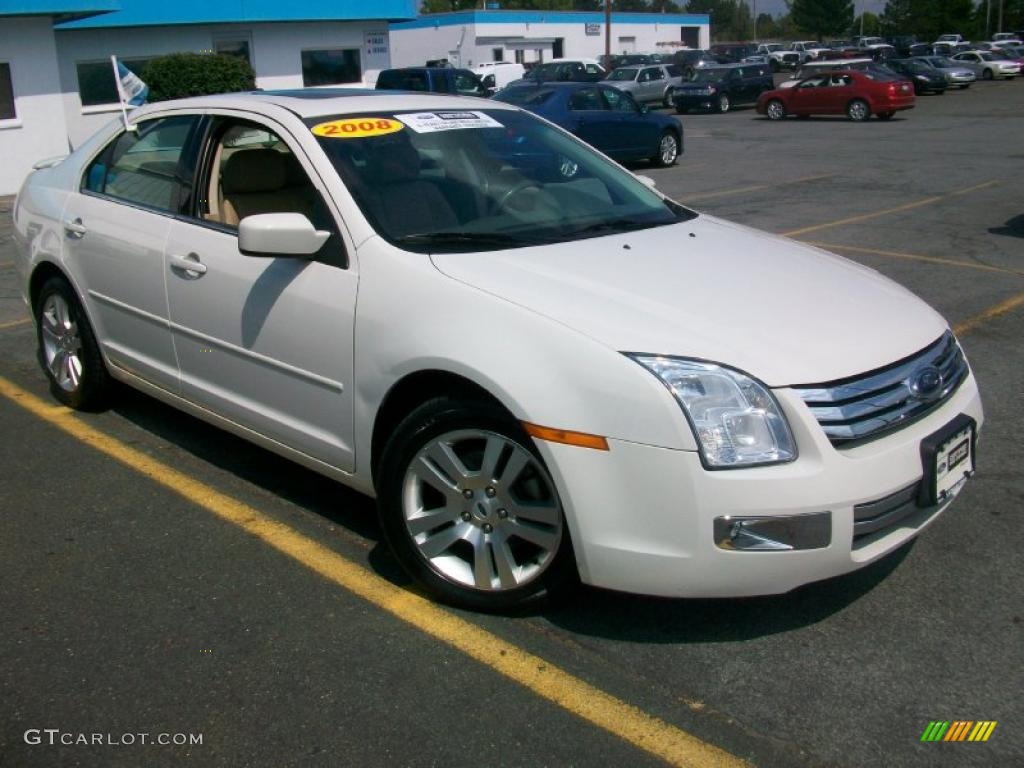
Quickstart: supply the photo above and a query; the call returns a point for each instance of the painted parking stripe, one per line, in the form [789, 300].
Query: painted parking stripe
[973, 323]
[753, 188]
[915, 257]
[631, 724]
[887, 211]
[14, 323]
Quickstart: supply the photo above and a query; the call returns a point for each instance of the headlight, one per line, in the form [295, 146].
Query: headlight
[736, 419]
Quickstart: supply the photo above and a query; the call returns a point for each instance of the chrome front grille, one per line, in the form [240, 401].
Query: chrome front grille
[867, 406]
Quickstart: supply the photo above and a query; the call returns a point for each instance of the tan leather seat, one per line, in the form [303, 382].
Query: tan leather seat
[256, 181]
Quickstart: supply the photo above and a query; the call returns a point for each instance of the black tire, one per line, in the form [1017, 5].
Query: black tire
[93, 385]
[858, 110]
[724, 104]
[965, 86]
[431, 421]
[987, 75]
[682, 110]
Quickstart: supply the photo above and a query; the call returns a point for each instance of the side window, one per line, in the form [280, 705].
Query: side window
[141, 166]
[250, 170]
[592, 69]
[586, 99]
[814, 82]
[619, 101]
[466, 84]
[656, 74]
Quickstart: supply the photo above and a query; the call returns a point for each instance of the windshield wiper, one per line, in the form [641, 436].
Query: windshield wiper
[611, 226]
[497, 239]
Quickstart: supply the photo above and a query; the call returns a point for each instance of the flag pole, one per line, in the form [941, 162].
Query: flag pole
[120, 94]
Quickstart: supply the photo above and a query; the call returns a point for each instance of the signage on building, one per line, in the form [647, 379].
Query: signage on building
[376, 43]
[593, 30]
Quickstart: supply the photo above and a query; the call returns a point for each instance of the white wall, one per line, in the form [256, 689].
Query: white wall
[38, 129]
[275, 52]
[413, 47]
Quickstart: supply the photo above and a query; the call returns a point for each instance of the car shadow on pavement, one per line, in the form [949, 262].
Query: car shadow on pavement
[632, 618]
[1012, 228]
[283, 478]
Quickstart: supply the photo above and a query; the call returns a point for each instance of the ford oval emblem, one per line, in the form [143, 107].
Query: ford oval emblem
[925, 383]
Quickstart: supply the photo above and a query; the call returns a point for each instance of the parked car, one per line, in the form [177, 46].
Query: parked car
[779, 57]
[690, 60]
[435, 80]
[808, 50]
[733, 52]
[724, 87]
[926, 79]
[1007, 38]
[567, 70]
[517, 363]
[921, 49]
[955, 74]
[1011, 54]
[828, 65]
[987, 65]
[951, 40]
[858, 95]
[882, 53]
[867, 43]
[504, 72]
[604, 117]
[902, 43]
[653, 83]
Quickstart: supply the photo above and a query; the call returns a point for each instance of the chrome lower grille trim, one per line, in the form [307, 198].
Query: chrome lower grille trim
[865, 407]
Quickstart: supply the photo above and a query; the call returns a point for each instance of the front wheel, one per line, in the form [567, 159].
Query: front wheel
[68, 351]
[858, 110]
[986, 75]
[724, 103]
[668, 150]
[667, 100]
[775, 110]
[470, 510]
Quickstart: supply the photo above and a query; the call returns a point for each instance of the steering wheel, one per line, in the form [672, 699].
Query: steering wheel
[516, 189]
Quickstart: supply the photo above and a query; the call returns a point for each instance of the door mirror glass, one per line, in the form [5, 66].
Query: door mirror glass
[279, 234]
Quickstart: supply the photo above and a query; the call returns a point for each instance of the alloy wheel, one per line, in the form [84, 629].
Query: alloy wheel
[62, 345]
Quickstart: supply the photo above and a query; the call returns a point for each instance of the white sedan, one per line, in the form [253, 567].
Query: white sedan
[987, 65]
[542, 368]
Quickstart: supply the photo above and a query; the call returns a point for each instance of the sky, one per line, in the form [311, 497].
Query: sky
[778, 7]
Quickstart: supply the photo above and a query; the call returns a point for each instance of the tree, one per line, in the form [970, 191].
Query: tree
[897, 18]
[823, 18]
[870, 26]
[178, 75]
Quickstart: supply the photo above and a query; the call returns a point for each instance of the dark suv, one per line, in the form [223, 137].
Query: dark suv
[723, 87]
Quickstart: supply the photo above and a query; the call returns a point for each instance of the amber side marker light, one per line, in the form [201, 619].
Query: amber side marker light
[552, 435]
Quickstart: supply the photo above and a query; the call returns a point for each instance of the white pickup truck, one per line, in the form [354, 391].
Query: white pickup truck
[808, 49]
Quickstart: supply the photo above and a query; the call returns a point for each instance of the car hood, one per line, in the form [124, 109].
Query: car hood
[785, 312]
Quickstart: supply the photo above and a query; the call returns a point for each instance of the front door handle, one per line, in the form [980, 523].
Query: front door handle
[74, 228]
[189, 264]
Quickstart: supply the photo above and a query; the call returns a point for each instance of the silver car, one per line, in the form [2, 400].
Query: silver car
[987, 65]
[653, 82]
[955, 74]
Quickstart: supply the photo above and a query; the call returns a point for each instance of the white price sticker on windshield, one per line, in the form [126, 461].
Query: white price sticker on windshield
[452, 120]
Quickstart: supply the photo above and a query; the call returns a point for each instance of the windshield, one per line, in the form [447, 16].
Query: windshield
[623, 74]
[708, 75]
[987, 56]
[460, 180]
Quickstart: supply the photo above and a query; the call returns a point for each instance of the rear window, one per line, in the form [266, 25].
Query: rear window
[524, 97]
[397, 80]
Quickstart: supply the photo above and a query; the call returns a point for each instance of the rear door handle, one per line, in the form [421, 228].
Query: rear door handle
[75, 228]
[190, 264]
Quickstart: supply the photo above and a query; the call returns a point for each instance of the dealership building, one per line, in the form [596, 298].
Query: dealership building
[469, 38]
[57, 85]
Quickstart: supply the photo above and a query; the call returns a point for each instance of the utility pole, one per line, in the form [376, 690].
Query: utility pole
[988, 19]
[1000, 15]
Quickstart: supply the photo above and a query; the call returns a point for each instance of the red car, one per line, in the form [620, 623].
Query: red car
[855, 94]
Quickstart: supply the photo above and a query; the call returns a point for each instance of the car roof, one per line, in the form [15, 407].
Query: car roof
[312, 102]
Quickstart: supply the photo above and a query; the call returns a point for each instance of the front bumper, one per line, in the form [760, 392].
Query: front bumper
[696, 101]
[642, 518]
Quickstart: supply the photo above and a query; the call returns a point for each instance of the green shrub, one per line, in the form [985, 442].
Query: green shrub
[178, 75]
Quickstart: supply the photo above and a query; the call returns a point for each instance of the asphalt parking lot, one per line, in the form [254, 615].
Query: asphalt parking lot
[162, 577]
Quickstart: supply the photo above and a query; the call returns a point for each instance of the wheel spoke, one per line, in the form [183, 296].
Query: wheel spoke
[57, 364]
[431, 519]
[540, 512]
[516, 464]
[74, 370]
[441, 541]
[429, 474]
[60, 309]
[492, 453]
[444, 457]
[544, 539]
[483, 569]
[505, 562]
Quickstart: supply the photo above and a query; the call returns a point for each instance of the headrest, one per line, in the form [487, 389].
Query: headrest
[254, 170]
[393, 161]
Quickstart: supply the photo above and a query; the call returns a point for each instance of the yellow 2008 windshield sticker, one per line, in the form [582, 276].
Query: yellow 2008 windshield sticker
[357, 127]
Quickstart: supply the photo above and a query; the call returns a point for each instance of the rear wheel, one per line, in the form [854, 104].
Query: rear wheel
[469, 508]
[775, 110]
[68, 351]
[986, 75]
[668, 150]
[724, 103]
[858, 110]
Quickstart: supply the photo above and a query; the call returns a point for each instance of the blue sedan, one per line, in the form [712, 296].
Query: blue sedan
[606, 118]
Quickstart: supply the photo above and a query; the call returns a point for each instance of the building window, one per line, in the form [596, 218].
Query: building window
[330, 67]
[233, 47]
[558, 48]
[497, 54]
[519, 56]
[7, 111]
[96, 83]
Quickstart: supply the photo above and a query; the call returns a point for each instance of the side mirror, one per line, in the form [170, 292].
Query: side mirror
[644, 109]
[647, 181]
[279, 234]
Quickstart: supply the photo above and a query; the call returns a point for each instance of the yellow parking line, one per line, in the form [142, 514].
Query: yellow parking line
[13, 323]
[972, 323]
[6, 264]
[887, 211]
[543, 678]
[753, 188]
[914, 257]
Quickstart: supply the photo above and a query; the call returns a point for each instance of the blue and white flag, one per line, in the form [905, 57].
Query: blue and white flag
[130, 87]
